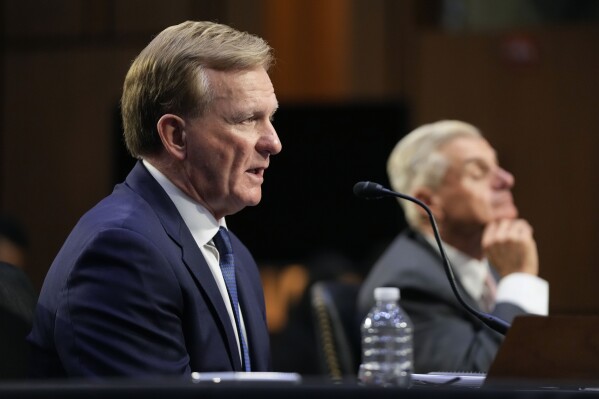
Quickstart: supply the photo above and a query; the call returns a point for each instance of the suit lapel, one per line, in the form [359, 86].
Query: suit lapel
[197, 266]
[145, 185]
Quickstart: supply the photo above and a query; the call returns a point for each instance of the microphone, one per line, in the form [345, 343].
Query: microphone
[370, 190]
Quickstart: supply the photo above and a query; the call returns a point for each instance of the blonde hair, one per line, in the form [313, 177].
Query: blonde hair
[416, 161]
[168, 76]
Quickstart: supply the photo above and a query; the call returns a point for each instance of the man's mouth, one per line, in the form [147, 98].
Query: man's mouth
[257, 171]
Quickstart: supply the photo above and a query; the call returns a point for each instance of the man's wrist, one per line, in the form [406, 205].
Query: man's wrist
[525, 290]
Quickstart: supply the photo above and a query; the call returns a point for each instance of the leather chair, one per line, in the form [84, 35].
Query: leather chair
[337, 327]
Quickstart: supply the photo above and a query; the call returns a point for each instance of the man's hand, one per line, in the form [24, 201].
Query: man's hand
[510, 247]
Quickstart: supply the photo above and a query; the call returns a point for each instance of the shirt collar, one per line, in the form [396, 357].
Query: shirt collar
[471, 272]
[199, 220]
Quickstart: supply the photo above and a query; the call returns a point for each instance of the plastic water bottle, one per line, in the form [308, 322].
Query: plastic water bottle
[387, 349]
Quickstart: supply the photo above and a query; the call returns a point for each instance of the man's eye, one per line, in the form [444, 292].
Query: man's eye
[477, 172]
[249, 120]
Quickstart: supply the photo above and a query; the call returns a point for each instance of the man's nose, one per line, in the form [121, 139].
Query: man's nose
[504, 179]
[269, 143]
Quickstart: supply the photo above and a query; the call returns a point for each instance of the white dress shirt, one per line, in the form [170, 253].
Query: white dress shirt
[203, 227]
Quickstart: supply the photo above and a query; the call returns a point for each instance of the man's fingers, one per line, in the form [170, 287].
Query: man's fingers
[506, 230]
[510, 246]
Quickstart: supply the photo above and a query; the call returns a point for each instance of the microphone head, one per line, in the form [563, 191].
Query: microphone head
[369, 190]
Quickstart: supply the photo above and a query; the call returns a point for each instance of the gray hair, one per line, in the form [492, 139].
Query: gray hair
[416, 161]
[168, 76]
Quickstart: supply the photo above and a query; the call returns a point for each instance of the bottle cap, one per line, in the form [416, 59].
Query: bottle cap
[386, 294]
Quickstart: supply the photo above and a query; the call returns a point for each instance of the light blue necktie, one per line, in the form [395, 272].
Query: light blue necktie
[222, 241]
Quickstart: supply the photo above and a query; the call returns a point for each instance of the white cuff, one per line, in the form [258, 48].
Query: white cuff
[527, 291]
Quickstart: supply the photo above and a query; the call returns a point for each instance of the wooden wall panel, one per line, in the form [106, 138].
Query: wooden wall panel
[149, 16]
[540, 114]
[58, 120]
[64, 62]
[31, 18]
[311, 39]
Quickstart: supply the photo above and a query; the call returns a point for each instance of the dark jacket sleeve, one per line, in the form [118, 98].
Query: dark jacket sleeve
[446, 338]
[119, 314]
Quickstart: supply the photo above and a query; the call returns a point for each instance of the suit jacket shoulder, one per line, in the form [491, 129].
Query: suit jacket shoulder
[410, 264]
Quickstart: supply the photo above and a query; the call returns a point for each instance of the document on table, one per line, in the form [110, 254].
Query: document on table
[454, 379]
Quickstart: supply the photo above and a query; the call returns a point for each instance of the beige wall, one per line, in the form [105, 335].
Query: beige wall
[64, 62]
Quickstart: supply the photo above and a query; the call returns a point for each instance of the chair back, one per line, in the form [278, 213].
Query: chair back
[337, 327]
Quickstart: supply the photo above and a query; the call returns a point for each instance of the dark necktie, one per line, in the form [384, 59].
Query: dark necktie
[222, 241]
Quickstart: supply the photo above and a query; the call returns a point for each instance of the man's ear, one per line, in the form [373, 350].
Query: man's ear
[432, 200]
[171, 129]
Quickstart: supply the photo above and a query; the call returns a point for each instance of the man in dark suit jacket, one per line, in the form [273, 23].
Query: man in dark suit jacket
[137, 290]
[449, 166]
